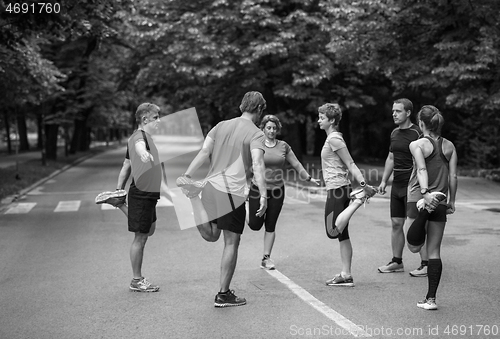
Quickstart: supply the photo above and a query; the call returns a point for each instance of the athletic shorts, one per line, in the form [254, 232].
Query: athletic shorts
[438, 215]
[398, 203]
[224, 209]
[275, 198]
[141, 214]
[337, 200]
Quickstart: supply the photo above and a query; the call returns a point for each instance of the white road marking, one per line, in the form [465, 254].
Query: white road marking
[108, 207]
[21, 208]
[68, 206]
[331, 314]
[477, 204]
[164, 202]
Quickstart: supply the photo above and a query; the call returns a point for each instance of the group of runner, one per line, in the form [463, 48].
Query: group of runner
[423, 189]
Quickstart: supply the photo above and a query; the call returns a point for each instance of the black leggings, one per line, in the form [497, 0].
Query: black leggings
[275, 198]
[337, 201]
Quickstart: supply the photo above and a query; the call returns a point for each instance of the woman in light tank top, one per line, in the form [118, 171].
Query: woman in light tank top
[336, 163]
[434, 179]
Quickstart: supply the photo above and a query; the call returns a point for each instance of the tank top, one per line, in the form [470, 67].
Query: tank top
[335, 172]
[437, 173]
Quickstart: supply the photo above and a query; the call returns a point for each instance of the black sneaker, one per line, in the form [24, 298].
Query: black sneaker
[228, 299]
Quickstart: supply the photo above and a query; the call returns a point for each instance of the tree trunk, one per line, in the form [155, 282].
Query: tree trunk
[22, 132]
[7, 132]
[81, 137]
[39, 124]
[51, 133]
[294, 138]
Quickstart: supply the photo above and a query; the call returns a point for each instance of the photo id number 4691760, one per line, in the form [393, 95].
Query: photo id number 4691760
[34, 8]
[471, 330]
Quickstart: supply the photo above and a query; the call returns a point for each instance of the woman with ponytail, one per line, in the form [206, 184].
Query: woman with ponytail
[434, 179]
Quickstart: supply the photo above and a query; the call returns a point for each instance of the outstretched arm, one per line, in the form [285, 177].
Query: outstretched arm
[344, 154]
[142, 152]
[303, 174]
[202, 156]
[259, 169]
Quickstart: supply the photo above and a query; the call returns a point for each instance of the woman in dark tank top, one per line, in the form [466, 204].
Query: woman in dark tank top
[434, 181]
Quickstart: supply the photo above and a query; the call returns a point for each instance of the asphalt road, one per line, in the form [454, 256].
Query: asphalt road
[65, 271]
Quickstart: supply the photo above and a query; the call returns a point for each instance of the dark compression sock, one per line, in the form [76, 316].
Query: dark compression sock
[434, 276]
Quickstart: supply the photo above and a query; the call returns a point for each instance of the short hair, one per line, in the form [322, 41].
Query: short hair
[332, 112]
[144, 109]
[251, 102]
[432, 118]
[407, 104]
[271, 118]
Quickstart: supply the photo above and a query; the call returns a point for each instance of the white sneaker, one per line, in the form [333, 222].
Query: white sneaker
[392, 267]
[115, 198]
[419, 272]
[267, 264]
[428, 304]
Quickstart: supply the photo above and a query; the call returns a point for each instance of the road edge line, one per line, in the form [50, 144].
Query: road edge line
[327, 311]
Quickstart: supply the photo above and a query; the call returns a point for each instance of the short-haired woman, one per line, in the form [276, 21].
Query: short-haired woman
[336, 163]
[277, 154]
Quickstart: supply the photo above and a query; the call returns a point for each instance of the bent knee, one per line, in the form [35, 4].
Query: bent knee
[415, 249]
[397, 223]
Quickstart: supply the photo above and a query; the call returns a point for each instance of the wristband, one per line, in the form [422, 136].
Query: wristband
[186, 175]
[309, 179]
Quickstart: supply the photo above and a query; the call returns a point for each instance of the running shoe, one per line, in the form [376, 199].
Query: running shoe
[419, 272]
[190, 187]
[421, 203]
[392, 267]
[228, 299]
[115, 198]
[428, 304]
[267, 264]
[361, 194]
[339, 280]
[143, 285]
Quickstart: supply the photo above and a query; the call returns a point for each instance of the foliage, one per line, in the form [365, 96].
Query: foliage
[98, 58]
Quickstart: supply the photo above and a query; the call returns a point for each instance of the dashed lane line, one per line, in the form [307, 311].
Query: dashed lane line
[68, 206]
[21, 208]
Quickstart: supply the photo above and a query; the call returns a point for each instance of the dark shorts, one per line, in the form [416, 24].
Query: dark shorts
[399, 193]
[438, 215]
[275, 198]
[337, 200]
[225, 210]
[141, 214]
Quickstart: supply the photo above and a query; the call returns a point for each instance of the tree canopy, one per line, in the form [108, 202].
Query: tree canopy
[88, 66]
